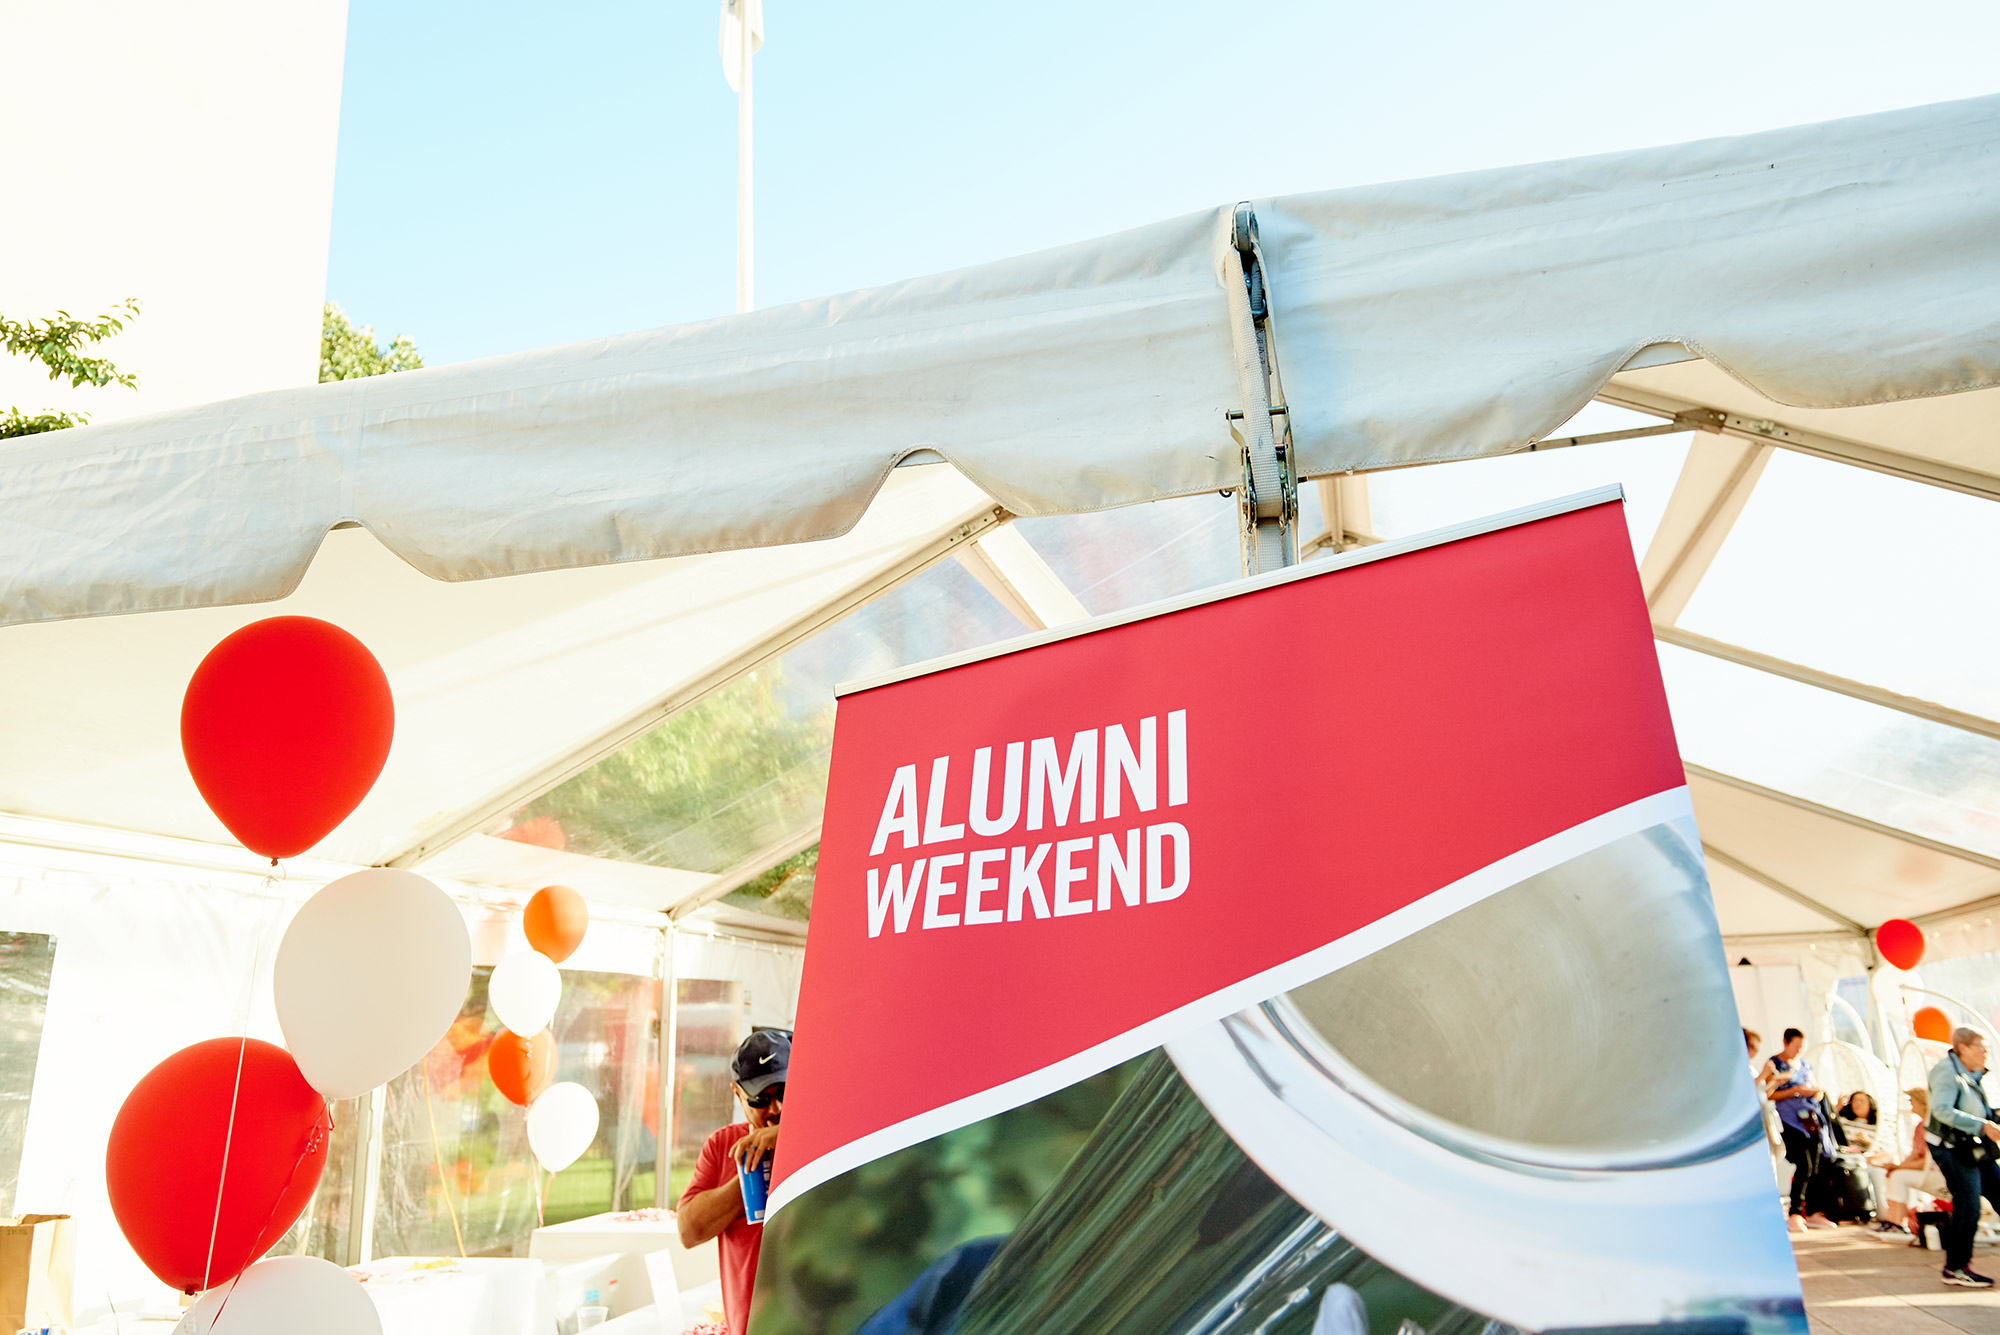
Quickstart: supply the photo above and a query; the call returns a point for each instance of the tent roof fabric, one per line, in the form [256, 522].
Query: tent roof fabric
[679, 506]
[1853, 872]
[1827, 266]
[1075, 379]
[500, 687]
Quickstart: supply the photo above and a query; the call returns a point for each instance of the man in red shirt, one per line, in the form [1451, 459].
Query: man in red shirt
[712, 1205]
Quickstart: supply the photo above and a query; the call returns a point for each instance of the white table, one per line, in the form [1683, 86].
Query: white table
[630, 1237]
[480, 1296]
[698, 1306]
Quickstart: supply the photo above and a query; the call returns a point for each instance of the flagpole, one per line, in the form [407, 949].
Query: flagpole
[745, 256]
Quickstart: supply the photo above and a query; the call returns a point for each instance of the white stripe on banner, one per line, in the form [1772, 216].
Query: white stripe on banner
[1673, 804]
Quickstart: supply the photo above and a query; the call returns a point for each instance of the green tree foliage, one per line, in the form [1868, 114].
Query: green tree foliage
[785, 891]
[348, 351]
[60, 344]
[848, 1246]
[732, 774]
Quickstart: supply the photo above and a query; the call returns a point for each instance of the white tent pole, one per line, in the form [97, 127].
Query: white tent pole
[365, 1179]
[1010, 569]
[745, 255]
[663, 1091]
[1806, 804]
[1943, 715]
[1714, 485]
[1343, 502]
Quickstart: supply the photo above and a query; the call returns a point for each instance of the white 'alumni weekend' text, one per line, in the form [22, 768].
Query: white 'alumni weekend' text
[1040, 787]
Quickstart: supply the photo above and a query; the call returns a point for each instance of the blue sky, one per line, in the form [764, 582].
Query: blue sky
[513, 175]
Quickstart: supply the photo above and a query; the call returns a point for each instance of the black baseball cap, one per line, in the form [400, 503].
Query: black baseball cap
[761, 1060]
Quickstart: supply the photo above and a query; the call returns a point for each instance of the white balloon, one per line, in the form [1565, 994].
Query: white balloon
[561, 1125]
[524, 990]
[286, 1295]
[371, 973]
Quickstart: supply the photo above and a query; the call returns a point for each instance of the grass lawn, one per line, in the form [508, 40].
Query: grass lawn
[584, 1188]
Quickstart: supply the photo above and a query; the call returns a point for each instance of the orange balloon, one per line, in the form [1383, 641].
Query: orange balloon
[555, 920]
[521, 1067]
[1931, 1023]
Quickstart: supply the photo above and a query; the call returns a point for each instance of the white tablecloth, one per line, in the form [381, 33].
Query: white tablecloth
[630, 1238]
[481, 1296]
[417, 1295]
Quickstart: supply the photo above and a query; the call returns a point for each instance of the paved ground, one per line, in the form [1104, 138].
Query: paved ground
[1857, 1286]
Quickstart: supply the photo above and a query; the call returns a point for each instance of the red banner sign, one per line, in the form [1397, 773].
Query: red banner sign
[1037, 864]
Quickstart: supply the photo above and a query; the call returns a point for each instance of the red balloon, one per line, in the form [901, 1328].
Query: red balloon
[285, 726]
[165, 1159]
[1901, 942]
[1931, 1023]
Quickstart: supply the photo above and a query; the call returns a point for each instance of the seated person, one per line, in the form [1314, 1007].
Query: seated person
[712, 1205]
[1857, 1119]
[1913, 1171]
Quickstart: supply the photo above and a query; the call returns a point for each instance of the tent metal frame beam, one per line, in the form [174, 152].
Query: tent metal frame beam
[1714, 485]
[1350, 518]
[1849, 927]
[746, 871]
[469, 820]
[1733, 943]
[1944, 917]
[1818, 443]
[1008, 567]
[1326, 540]
[1696, 421]
[1806, 804]
[1810, 676]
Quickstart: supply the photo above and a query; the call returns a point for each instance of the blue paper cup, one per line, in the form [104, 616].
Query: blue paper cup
[756, 1184]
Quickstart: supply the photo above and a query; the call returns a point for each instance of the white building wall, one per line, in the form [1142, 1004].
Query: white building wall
[182, 154]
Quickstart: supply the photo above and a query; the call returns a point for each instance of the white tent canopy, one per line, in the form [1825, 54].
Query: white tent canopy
[501, 687]
[1824, 290]
[1826, 267]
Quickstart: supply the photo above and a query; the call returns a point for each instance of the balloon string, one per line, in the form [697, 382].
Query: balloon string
[322, 1130]
[437, 1152]
[271, 879]
[228, 1135]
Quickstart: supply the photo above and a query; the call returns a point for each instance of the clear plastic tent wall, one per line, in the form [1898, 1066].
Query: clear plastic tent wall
[136, 955]
[682, 515]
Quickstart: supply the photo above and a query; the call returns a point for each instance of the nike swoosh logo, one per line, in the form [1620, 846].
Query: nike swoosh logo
[767, 1059]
